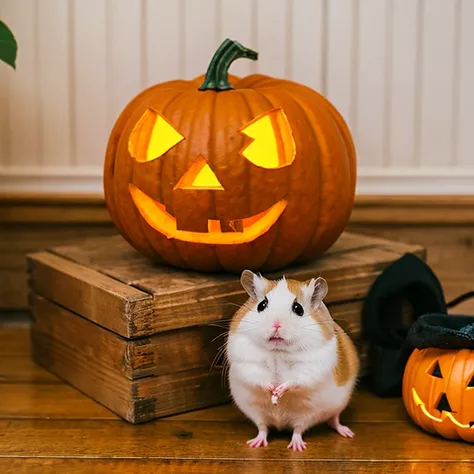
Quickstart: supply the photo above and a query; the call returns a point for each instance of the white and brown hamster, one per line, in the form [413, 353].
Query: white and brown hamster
[290, 364]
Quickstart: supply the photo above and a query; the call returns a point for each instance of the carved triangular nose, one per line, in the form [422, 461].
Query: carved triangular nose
[443, 404]
[199, 177]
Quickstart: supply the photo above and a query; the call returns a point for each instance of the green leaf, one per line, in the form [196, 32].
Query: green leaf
[8, 46]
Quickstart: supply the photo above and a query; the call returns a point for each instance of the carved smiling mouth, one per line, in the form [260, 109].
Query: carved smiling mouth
[444, 414]
[245, 230]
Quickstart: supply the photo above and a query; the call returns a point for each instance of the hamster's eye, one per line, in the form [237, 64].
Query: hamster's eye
[262, 305]
[297, 309]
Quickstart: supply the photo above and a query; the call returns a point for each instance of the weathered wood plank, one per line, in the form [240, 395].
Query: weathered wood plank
[21, 368]
[132, 466]
[14, 341]
[62, 401]
[173, 440]
[136, 401]
[165, 352]
[53, 400]
[184, 298]
[87, 292]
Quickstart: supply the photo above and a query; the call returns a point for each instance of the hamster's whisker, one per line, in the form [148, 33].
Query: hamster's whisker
[245, 330]
[226, 333]
[219, 353]
[244, 305]
[246, 320]
[315, 329]
[216, 325]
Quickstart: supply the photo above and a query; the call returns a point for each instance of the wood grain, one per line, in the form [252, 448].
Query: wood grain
[46, 221]
[19, 239]
[413, 210]
[163, 353]
[450, 250]
[77, 277]
[88, 292]
[208, 466]
[14, 342]
[51, 428]
[134, 400]
[255, 466]
[48, 400]
[175, 440]
[37, 399]
[21, 368]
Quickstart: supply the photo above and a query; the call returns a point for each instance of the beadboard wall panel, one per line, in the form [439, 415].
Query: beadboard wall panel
[400, 72]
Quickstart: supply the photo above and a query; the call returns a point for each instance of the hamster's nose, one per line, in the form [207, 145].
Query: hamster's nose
[276, 325]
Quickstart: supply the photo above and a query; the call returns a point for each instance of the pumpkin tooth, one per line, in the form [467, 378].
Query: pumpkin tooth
[236, 225]
[214, 226]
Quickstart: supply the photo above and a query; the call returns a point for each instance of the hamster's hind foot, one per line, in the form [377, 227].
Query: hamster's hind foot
[297, 443]
[259, 441]
[345, 431]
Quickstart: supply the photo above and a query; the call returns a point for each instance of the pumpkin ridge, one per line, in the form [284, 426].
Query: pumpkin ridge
[316, 227]
[115, 185]
[210, 153]
[240, 96]
[111, 161]
[176, 258]
[313, 132]
[277, 224]
[338, 118]
[426, 424]
[251, 81]
[344, 130]
[463, 377]
[187, 143]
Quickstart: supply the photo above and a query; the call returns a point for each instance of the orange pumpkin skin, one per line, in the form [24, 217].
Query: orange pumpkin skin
[318, 186]
[452, 381]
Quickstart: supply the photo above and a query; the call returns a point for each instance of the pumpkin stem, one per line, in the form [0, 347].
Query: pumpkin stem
[217, 73]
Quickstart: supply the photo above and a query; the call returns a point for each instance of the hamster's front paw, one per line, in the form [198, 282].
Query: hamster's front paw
[283, 388]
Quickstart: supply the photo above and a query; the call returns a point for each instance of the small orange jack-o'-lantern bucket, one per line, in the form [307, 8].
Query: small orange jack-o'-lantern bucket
[438, 383]
[222, 173]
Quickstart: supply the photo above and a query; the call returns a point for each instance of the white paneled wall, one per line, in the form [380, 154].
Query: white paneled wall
[400, 71]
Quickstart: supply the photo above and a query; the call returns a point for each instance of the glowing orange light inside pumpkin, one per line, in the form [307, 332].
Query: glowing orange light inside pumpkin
[152, 136]
[252, 227]
[272, 145]
[199, 176]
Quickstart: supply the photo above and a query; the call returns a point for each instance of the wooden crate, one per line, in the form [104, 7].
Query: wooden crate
[140, 339]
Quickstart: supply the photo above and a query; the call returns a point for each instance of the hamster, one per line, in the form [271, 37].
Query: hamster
[290, 364]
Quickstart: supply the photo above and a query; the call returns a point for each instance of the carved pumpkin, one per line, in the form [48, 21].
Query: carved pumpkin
[438, 391]
[221, 173]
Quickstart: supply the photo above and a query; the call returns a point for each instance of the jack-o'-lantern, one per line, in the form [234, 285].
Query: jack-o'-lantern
[222, 173]
[438, 391]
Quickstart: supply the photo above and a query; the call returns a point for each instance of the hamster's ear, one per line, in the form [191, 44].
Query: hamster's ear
[254, 285]
[315, 291]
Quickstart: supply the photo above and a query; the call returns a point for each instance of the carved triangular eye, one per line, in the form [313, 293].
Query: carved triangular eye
[437, 371]
[471, 382]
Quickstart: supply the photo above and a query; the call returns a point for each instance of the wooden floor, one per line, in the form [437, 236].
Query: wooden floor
[47, 426]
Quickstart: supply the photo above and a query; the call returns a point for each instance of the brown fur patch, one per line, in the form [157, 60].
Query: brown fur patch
[347, 366]
[325, 321]
[295, 287]
[240, 313]
[271, 284]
